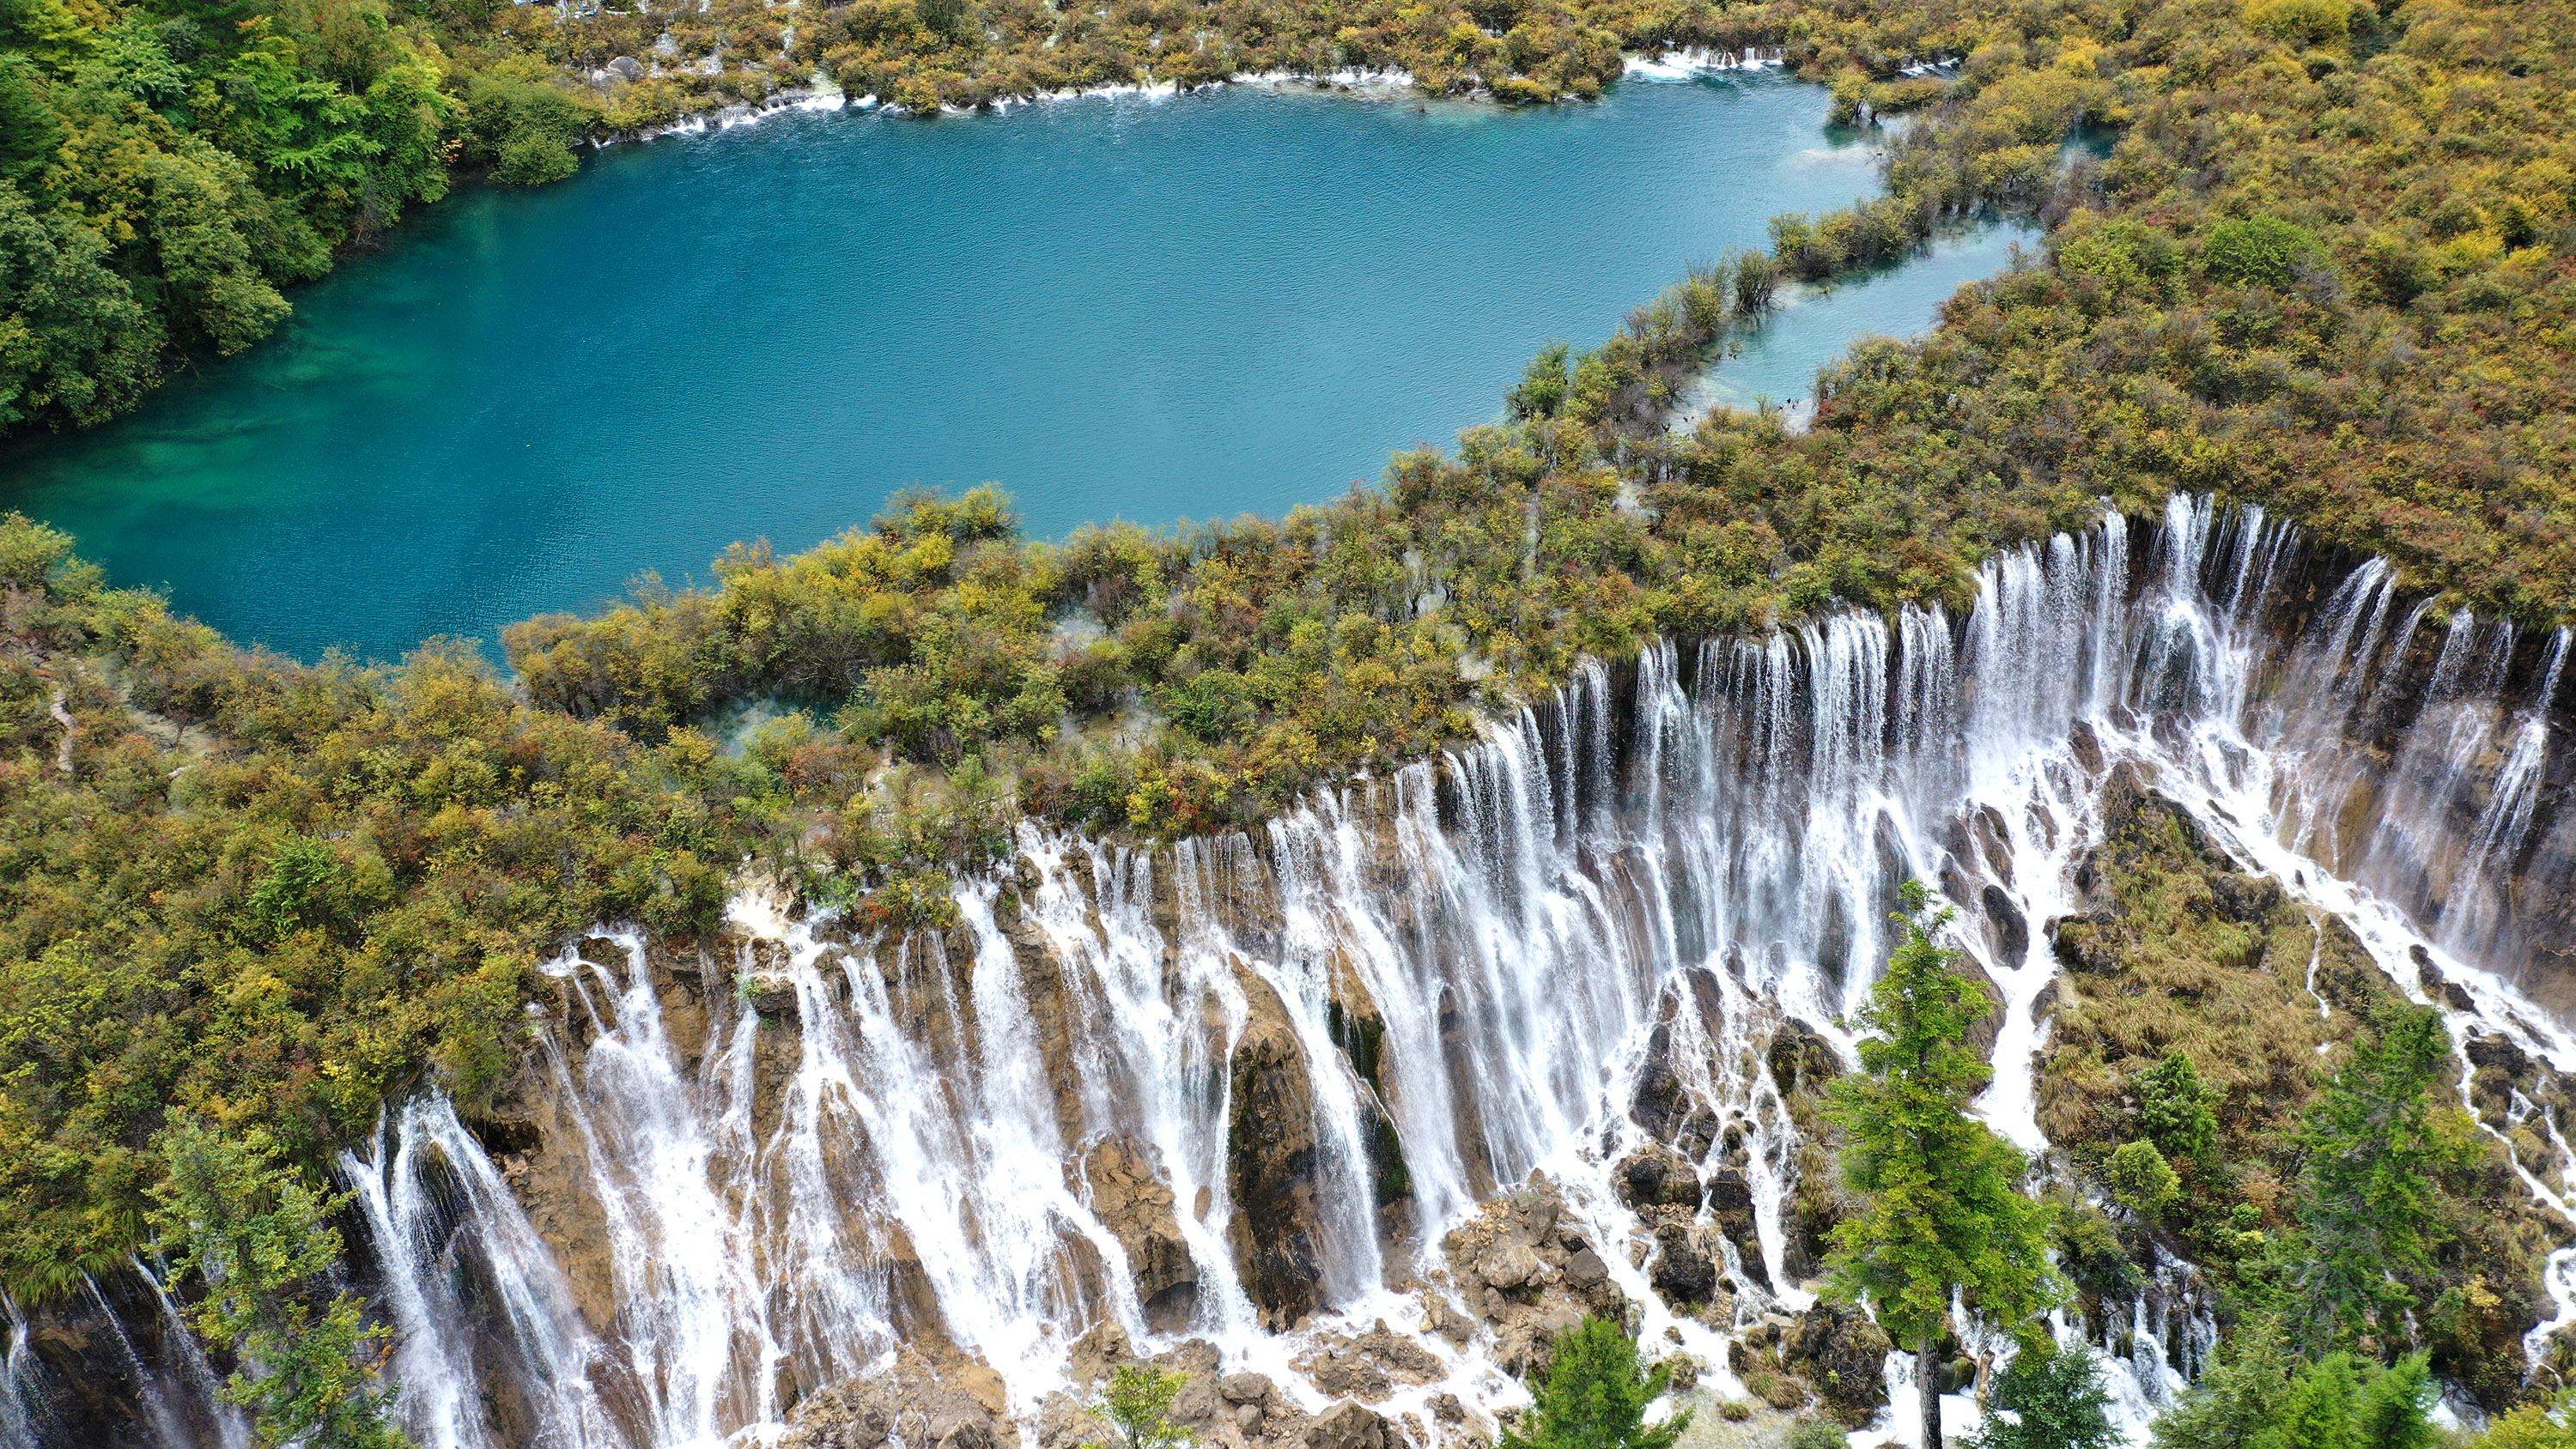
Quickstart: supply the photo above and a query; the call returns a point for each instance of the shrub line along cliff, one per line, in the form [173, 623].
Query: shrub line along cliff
[2326, 268]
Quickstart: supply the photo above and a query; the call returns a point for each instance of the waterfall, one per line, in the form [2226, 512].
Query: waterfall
[21, 1398]
[808, 1150]
[232, 1428]
[423, 1185]
[164, 1414]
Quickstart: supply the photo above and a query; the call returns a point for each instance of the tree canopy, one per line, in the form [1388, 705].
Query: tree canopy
[1941, 1209]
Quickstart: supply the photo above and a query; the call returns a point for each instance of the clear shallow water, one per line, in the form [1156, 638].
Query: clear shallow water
[1144, 308]
[1809, 327]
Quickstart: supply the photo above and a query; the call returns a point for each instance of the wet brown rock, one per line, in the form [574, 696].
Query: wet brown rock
[2083, 943]
[1654, 1176]
[1491, 1258]
[771, 992]
[2499, 1052]
[1370, 1366]
[1271, 1162]
[1801, 1060]
[1128, 1194]
[1585, 1270]
[1097, 1353]
[1685, 1263]
[1347, 1425]
[1842, 1355]
[936, 1398]
[1066, 1423]
[2011, 929]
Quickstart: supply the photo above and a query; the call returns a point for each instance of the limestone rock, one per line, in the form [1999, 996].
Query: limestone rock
[2082, 943]
[1098, 1352]
[771, 993]
[1131, 1199]
[1347, 1425]
[1657, 1175]
[1271, 1161]
[1370, 1366]
[931, 1396]
[1490, 1258]
[1801, 1060]
[1685, 1263]
[1842, 1354]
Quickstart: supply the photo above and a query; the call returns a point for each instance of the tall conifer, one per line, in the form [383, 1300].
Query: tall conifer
[1943, 1210]
[2370, 1203]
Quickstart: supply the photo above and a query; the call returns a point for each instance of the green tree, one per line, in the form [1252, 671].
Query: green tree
[300, 890]
[2257, 1396]
[2239, 1397]
[2318, 1412]
[2176, 1109]
[29, 134]
[2259, 251]
[257, 1238]
[77, 344]
[2395, 1409]
[1542, 389]
[2341, 1403]
[2534, 1426]
[2056, 1398]
[1138, 1399]
[1941, 1207]
[1595, 1396]
[2371, 1209]
[2141, 1178]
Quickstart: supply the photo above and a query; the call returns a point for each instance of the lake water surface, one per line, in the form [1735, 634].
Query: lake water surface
[1148, 308]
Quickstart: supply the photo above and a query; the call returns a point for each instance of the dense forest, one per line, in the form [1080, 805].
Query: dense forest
[2328, 264]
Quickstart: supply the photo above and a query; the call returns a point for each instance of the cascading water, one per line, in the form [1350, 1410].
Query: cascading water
[21, 1401]
[807, 1152]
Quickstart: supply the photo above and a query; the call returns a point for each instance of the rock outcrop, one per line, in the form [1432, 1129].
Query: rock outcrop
[1271, 1161]
[1132, 1200]
[1368, 1366]
[937, 1400]
[1527, 1273]
[1842, 1354]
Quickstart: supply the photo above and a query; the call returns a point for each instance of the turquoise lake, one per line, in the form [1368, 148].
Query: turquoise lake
[1127, 307]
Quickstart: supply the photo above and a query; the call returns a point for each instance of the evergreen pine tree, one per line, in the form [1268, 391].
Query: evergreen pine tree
[257, 1237]
[1595, 1396]
[1941, 1207]
[2175, 1109]
[2396, 1406]
[2370, 1208]
[2318, 1413]
[2258, 1397]
[2056, 1398]
[2237, 1403]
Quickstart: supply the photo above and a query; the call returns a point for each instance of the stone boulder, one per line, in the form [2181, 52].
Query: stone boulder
[1271, 1162]
[1842, 1355]
[1657, 1176]
[1347, 1425]
[1133, 1202]
[1525, 1273]
[1801, 1060]
[1370, 1366]
[935, 1398]
[1686, 1262]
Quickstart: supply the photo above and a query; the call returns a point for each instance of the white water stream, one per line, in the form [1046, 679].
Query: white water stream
[916, 1148]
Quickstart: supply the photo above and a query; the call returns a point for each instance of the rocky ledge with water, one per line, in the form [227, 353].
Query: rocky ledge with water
[1351, 1117]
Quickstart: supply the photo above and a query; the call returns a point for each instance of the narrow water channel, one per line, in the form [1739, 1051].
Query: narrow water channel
[1189, 306]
